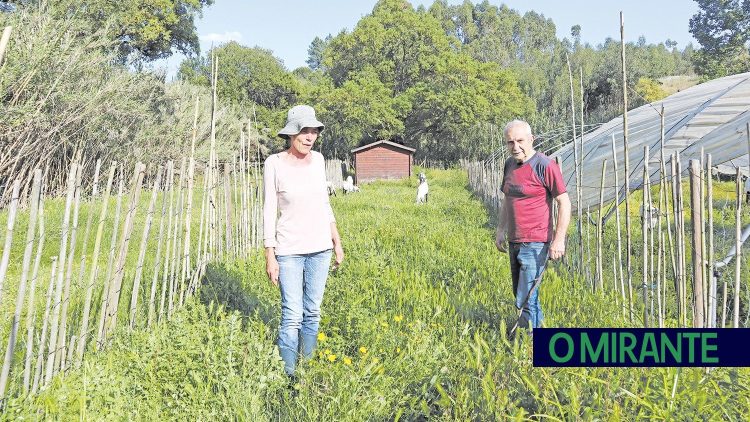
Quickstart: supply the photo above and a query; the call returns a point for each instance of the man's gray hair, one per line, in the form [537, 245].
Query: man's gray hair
[514, 123]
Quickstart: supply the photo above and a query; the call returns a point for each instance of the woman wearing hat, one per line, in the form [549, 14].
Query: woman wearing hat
[299, 233]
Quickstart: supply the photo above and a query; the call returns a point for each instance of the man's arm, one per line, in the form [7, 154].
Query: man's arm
[557, 248]
[502, 227]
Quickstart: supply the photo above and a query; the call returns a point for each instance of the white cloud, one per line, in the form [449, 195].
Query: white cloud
[221, 38]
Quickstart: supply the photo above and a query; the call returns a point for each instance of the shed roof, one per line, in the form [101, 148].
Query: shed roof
[376, 143]
[712, 115]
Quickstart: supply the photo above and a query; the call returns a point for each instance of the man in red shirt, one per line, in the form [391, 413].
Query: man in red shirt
[531, 181]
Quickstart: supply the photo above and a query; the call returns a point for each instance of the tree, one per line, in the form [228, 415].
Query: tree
[398, 75]
[145, 30]
[360, 111]
[247, 77]
[315, 52]
[722, 28]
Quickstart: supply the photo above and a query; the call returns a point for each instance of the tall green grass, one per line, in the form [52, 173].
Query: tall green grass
[414, 328]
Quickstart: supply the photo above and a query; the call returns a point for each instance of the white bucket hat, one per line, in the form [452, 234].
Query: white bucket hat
[300, 116]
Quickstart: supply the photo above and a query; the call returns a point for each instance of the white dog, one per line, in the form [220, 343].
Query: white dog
[423, 189]
[349, 186]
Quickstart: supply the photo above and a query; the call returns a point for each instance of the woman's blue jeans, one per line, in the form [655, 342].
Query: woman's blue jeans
[302, 279]
[527, 261]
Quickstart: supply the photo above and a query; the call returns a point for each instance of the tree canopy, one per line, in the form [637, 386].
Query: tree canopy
[722, 28]
[442, 79]
[144, 30]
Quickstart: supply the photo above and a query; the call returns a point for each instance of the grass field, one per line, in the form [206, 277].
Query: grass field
[414, 328]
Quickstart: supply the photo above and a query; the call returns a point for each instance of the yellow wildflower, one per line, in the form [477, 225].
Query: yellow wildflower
[347, 361]
[332, 358]
[398, 350]
[327, 352]
[398, 318]
[384, 324]
[322, 337]
[363, 350]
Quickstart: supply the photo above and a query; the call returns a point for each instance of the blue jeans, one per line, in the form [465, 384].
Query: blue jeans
[302, 279]
[527, 261]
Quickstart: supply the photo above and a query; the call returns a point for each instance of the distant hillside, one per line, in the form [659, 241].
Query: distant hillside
[677, 83]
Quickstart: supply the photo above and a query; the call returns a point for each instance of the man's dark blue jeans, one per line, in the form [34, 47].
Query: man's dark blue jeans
[527, 261]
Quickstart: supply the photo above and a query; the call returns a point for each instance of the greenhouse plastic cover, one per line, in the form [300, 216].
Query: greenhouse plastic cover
[713, 116]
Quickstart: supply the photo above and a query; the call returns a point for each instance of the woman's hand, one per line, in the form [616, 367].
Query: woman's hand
[272, 267]
[338, 252]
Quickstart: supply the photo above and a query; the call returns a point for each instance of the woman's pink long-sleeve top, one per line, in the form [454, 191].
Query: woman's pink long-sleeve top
[297, 214]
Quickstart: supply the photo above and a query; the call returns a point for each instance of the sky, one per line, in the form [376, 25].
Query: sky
[286, 27]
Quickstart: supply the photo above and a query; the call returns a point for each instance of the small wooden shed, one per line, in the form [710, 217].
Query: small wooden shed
[382, 160]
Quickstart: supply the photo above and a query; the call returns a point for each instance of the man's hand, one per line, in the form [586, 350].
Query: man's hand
[500, 242]
[338, 252]
[557, 249]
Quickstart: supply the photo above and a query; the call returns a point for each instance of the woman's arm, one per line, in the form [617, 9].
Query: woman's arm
[338, 249]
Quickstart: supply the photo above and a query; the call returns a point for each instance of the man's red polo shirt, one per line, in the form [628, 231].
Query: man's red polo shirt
[529, 189]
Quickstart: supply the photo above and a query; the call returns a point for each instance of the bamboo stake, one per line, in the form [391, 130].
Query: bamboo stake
[186, 264]
[202, 231]
[157, 260]
[214, 168]
[660, 269]
[646, 220]
[165, 276]
[220, 229]
[628, 243]
[711, 323]
[227, 211]
[619, 236]
[680, 234]
[49, 372]
[110, 322]
[615, 286]
[236, 218]
[738, 249]
[83, 334]
[698, 318]
[142, 251]
[34, 208]
[579, 206]
[664, 187]
[245, 196]
[110, 260]
[45, 324]
[31, 304]
[12, 210]
[600, 231]
[4, 42]
[176, 241]
[703, 246]
[82, 265]
[63, 331]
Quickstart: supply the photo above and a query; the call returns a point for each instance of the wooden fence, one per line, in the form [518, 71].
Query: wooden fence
[87, 286]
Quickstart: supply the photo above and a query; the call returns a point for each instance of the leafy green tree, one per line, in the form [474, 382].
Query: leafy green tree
[144, 30]
[315, 52]
[395, 41]
[722, 28]
[359, 111]
[247, 77]
[398, 75]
